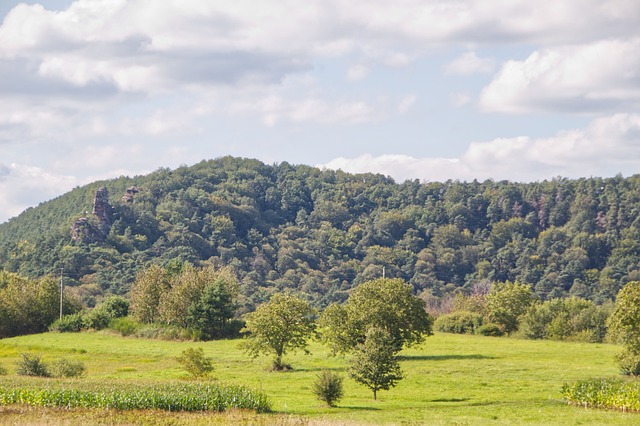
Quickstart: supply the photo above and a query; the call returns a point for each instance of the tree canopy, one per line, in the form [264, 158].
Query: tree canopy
[322, 233]
[383, 303]
[283, 324]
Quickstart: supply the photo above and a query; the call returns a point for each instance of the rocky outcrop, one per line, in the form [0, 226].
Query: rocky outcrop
[96, 227]
[129, 194]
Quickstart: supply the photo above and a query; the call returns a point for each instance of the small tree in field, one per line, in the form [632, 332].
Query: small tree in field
[283, 324]
[624, 324]
[374, 363]
[195, 363]
[328, 387]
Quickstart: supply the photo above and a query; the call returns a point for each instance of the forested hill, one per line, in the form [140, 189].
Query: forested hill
[322, 232]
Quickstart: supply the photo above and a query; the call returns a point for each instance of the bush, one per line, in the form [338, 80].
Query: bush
[195, 363]
[97, 319]
[66, 368]
[328, 387]
[32, 365]
[68, 324]
[461, 322]
[490, 329]
[115, 307]
[125, 326]
[629, 363]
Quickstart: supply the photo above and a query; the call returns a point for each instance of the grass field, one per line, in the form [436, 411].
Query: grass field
[449, 380]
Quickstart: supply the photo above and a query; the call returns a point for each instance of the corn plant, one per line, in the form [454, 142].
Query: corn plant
[191, 397]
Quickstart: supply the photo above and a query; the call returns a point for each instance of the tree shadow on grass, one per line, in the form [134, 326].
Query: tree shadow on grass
[359, 408]
[450, 400]
[441, 357]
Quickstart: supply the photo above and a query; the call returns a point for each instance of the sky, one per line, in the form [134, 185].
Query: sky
[414, 89]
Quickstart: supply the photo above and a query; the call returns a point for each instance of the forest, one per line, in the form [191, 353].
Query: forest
[321, 233]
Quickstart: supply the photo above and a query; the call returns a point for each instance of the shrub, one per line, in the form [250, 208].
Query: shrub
[195, 363]
[32, 365]
[125, 326]
[68, 324]
[461, 322]
[328, 387]
[97, 319]
[115, 306]
[66, 368]
[490, 329]
[629, 363]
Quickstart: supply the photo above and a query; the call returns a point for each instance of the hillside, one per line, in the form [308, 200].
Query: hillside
[321, 232]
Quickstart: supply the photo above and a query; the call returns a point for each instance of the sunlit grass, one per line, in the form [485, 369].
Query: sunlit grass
[451, 379]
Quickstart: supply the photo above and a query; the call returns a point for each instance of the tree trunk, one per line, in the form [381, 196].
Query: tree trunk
[374, 394]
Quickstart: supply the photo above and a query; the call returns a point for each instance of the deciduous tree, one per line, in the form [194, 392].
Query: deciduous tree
[283, 324]
[374, 363]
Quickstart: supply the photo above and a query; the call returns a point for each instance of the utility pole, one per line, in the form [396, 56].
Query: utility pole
[61, 290]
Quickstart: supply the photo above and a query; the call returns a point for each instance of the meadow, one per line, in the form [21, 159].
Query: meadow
[450, 379]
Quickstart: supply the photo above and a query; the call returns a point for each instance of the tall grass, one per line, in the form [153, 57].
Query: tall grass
[182, 397]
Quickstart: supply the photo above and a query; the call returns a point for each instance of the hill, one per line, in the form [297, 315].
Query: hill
[321, 232]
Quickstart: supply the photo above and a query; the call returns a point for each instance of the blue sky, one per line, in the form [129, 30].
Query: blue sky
[414, 89]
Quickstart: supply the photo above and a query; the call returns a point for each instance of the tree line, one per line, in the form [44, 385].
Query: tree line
[322, 232]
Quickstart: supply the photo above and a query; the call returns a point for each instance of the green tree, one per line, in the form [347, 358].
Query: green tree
[386, 303]
[196, 363]
[211, 313]
[624, 324]
[506, 302]
[283, 324]
[328, 387]
[374, 363]
[146, 292]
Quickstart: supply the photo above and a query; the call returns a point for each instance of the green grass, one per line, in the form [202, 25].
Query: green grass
[451, 379]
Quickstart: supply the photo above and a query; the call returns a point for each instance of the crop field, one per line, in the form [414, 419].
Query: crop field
[450, 379]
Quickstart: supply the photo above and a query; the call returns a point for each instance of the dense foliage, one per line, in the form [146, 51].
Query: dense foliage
[384, 303]
[624, 324]
[30, 306]
[323, 232]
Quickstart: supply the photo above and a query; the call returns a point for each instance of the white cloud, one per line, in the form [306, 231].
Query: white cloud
[608, 145]
[406, 104]
[459, 99]
[24, 186]
[470, 63]
[357, 72]
[274, 109]
[601, 76]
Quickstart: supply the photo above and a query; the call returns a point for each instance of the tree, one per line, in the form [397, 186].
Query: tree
[146, 292]
[328, 387]
[374, 363]
[196, 363]
[507, 302]
[211, 313]
[624, 323]
[386, 303]
[283, 324]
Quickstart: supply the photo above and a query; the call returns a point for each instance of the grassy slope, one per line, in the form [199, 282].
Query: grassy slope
[451, 379]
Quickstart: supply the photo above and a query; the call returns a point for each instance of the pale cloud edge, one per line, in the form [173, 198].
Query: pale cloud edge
[609, 145]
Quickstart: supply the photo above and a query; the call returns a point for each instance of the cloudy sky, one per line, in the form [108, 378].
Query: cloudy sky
[427, 89]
